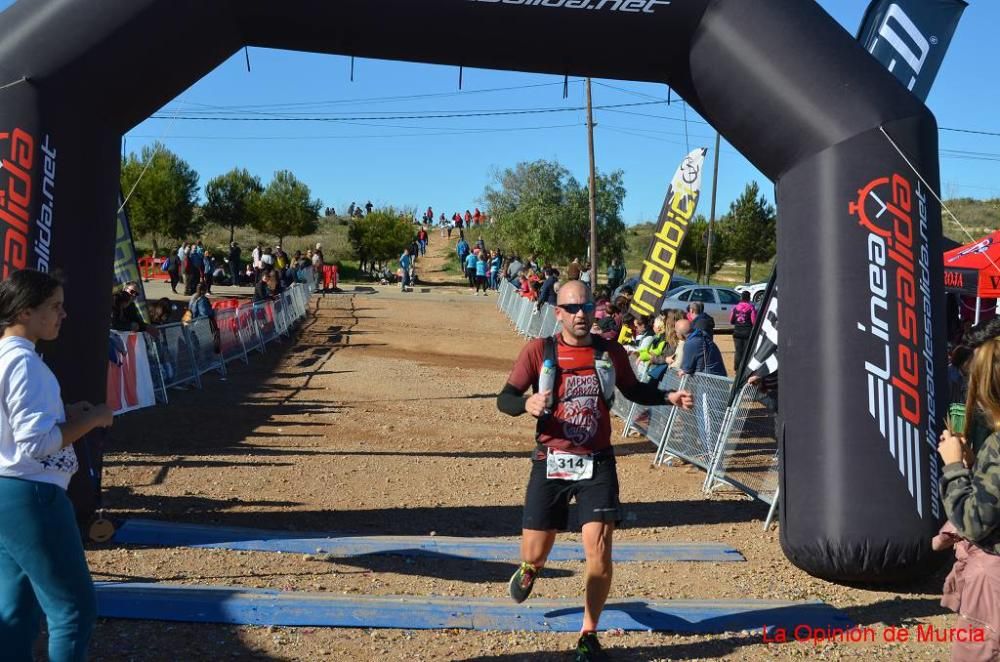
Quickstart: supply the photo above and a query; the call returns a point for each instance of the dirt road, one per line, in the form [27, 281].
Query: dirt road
[379, 418]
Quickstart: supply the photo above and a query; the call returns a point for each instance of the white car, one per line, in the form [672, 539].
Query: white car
[719, 301]
[756, 291]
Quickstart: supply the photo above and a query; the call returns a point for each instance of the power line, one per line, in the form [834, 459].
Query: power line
[632, 92]
[439, 115]
[428, 133]
[972, 131]
[388, 99]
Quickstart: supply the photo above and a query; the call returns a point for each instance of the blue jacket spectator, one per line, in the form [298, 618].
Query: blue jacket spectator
[547, 294]
[199, 305]
[701, 354]
[463, 250]
[470, 262]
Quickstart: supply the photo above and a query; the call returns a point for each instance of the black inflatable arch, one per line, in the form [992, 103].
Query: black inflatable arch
[859, 242]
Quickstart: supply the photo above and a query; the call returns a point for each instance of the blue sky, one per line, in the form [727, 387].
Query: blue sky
[447, 162]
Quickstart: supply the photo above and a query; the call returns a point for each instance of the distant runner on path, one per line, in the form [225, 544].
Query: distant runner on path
[573, 455]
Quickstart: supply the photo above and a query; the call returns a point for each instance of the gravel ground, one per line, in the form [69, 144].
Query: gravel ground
[379, 418]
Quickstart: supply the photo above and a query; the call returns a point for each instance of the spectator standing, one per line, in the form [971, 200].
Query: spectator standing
[958, 374]
[468, 218]
[514, 268]
[199, 305]
[174, 270]
[267, 260]
[970, 493]
[495, 262]
[261, 291]
[701, 354]
[482, 268]
[42, 563]
[368, 207]
[422, 238]
[192, 272]
[234, 262]
[742, 317]
[696, 315]
[208, 270]
[462, 248]
[547, 295]
[255, 256]
[470, 270]
[125, 314]
[405, 264]
[616, 274]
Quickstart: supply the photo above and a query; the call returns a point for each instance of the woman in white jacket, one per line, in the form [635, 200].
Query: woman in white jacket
[42, 564]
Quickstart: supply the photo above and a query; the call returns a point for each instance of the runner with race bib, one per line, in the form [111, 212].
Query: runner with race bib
[573, 457]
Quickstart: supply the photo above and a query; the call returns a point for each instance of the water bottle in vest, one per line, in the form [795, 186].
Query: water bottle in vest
[606, 373]
[547, 382]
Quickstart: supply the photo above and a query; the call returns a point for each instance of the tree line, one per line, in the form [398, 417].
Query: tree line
[162, 192]
[539, 208]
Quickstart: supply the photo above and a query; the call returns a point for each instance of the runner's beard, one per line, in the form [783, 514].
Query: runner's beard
[581, 329]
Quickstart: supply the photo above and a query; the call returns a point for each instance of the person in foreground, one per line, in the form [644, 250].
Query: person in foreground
[970, 490]
[42, 564]
[574, 375]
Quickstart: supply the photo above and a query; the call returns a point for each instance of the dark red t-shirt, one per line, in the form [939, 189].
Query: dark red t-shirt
[581, 422]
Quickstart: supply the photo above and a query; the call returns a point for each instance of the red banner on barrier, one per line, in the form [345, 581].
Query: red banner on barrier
[130, 382]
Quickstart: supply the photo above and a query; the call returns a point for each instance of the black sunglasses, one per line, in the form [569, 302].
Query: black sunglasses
[574, 308]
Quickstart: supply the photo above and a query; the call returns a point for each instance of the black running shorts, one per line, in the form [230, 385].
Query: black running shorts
[546, 504]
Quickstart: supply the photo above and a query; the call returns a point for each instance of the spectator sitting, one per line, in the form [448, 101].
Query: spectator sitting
[219, 276]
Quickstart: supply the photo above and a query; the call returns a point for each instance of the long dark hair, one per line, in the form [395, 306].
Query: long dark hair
[24, 290]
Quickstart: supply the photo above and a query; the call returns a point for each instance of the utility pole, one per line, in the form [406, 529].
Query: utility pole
[711, 217]
[593, 190]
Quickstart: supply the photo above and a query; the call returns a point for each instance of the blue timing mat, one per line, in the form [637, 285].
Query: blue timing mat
[168, 534]
[243, 606]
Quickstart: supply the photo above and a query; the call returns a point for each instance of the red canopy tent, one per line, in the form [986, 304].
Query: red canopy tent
[973, 270]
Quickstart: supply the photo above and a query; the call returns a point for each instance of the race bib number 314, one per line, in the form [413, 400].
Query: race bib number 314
[568, 466]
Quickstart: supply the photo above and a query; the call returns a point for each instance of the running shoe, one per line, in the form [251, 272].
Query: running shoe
[523, 581]
[588, 649]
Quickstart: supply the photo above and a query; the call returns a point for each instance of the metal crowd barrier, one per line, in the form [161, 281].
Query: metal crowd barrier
[528, 320]
[181, 353]
[228, 321]
[691, 435]
[746, 456]
[201, 340]
[248, 331]
[652, 422]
